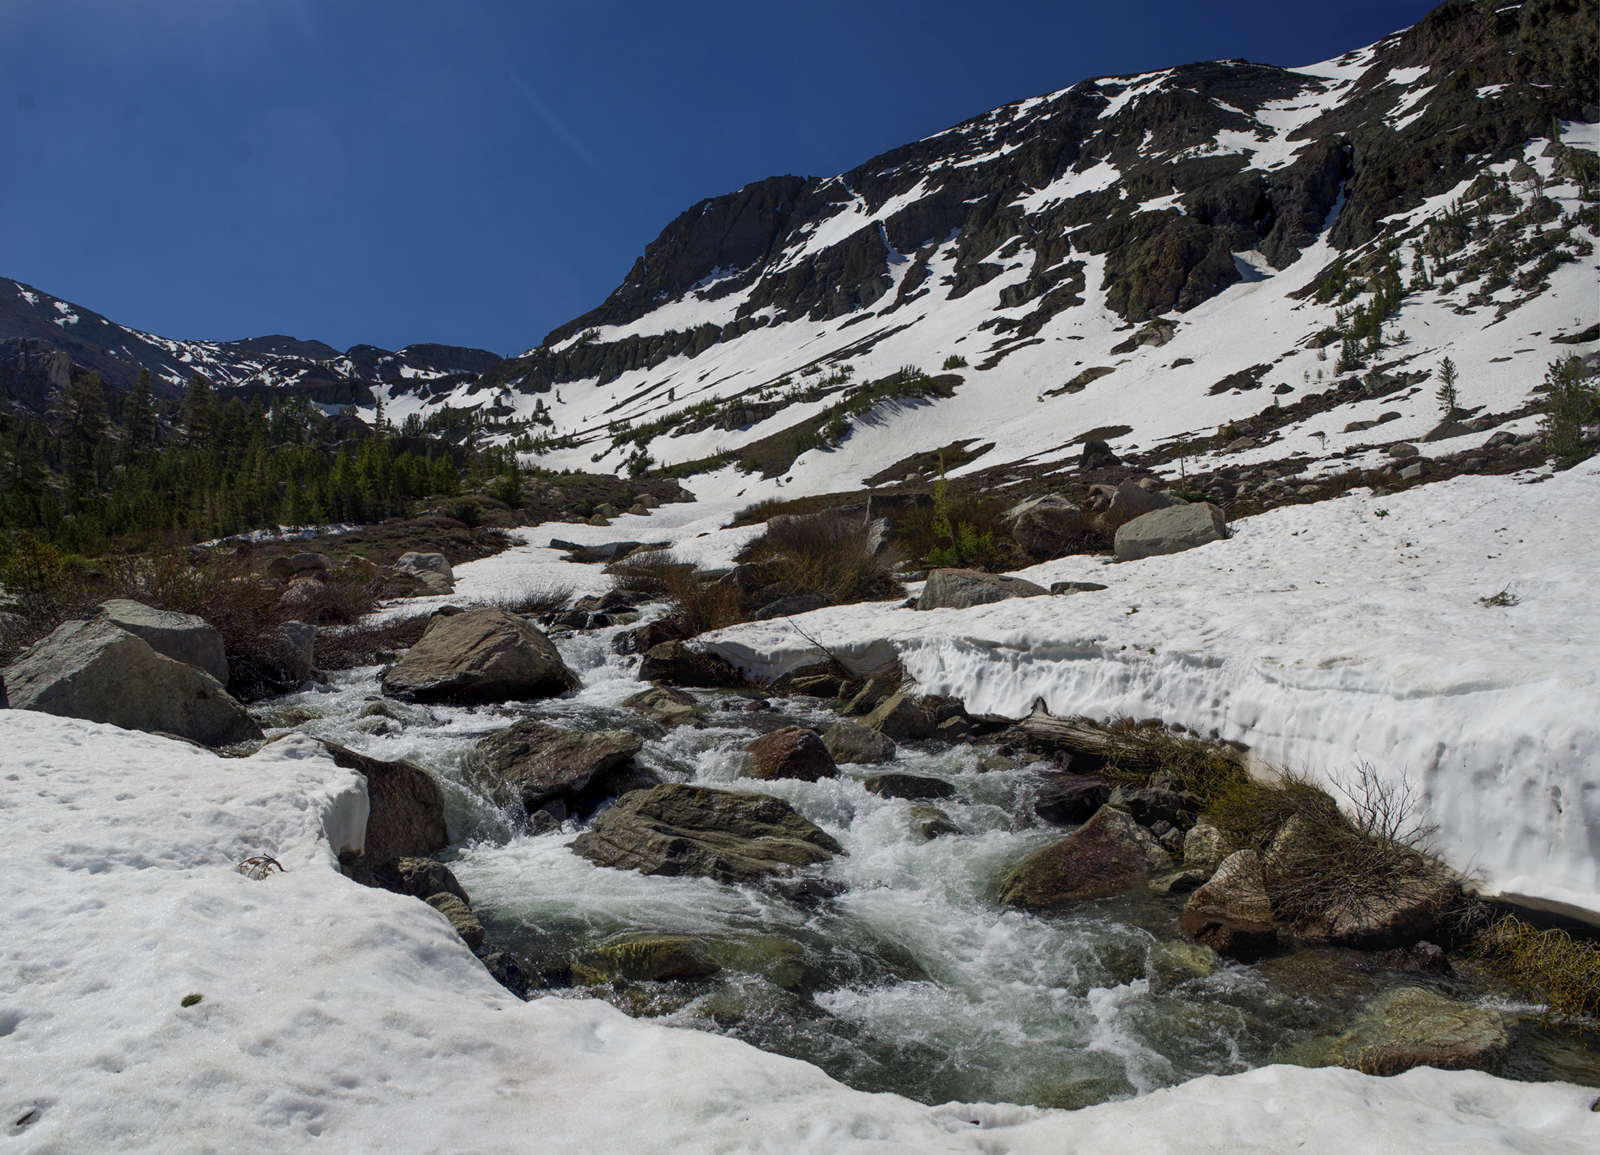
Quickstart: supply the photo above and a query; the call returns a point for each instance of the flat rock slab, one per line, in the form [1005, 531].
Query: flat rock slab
[792, 752]
[483, 655]
[1108, 854]
[1171, 530]
[181, 637]
[960, 589]
[696, 830]
[100, 672]
[534, 764]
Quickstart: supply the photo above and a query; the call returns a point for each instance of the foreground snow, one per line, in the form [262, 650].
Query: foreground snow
[357, 1017]
[1324, 636]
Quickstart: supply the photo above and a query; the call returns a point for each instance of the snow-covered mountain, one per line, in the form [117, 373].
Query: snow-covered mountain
[42, 338]
[1147, 257]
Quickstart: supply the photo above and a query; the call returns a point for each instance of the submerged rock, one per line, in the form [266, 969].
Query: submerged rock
[100, 672]
[1411, 1027]
[482, 655]
[533, 764]
[1109, 853]
[696, 830]
[654, 959]
[792, 752]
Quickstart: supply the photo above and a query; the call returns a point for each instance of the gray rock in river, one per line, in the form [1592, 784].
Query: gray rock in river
[665, 705]
[914, 787]
[656, 958]
[534, 764]
[102, 673]
[695, 830]
[482, 655]
[460, 917]
[849, 742]
[1231, 913]
[1411, 1027]
[676, 664]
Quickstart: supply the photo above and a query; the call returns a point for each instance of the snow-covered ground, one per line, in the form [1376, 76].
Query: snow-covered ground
[336, 1015]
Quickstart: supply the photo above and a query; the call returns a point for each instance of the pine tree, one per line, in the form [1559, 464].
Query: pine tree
[83, 427]
[1446, 395]
[138, 421]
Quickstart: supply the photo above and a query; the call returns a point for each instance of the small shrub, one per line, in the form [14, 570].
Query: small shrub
[955, 361]
[530, 599]
[648, 571]
[1561, 972]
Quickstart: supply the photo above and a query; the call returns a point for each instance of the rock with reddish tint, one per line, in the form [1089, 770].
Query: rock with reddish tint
[792, 752]
[1231, 913]
[1106, 855]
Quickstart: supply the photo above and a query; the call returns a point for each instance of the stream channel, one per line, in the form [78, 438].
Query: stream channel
[912, 979]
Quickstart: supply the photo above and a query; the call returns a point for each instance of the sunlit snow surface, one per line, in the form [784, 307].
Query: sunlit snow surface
[340, 1015]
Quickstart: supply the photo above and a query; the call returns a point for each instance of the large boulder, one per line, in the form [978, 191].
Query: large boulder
[102, 673]
[1231, 914]
[960, 589]
[1109, 508]
[294, 646]
[695, 830]
[432, 569]
[912, 787]
[181, 637]
[1109, 853]
[677, 665]
[533, 764]
[792, 752]
[1204, 848]
[1412, 1027]
[482, 655]
[407, 809]
[849, 742]
[1045, 526]
[1171, 530]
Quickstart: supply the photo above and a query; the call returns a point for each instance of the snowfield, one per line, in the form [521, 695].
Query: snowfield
[337, 1015]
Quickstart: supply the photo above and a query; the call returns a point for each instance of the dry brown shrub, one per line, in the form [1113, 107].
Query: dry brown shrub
[530, 599]
[1562, 972]
[826, 553]
[648, 571]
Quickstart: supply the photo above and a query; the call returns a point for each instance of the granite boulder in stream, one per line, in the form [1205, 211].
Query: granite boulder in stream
[482, 655]
[696, 830]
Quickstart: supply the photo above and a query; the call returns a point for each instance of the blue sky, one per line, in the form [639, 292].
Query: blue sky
[478, 172]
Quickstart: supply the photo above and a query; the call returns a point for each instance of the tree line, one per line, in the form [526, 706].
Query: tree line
[173, 472]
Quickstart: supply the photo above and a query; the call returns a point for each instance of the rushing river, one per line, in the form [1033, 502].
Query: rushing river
[912, 979]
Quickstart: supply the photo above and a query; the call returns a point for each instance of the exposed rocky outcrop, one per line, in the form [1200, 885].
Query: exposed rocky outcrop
[480, 655]
[1109, 853]
[849, 742]
[407, 809]
[695, 830]
[102, 673]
